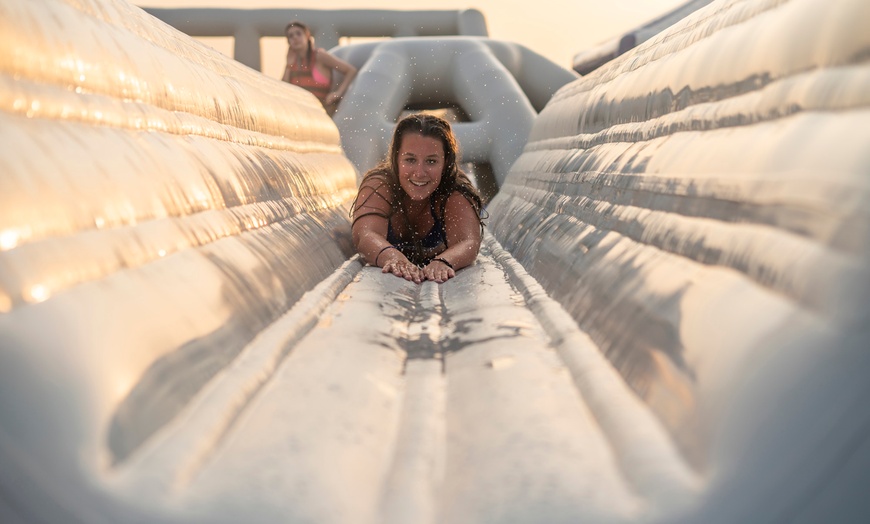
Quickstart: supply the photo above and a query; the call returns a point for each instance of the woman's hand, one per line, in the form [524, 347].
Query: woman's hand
[332, 98]
[438, 271]
[404, 269]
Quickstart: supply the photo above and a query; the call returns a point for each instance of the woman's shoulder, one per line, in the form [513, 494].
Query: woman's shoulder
[377, 175]
[450, 204]
[324, 56]
[461, 203]
[375, 196]
[460, 195]
[379, 181]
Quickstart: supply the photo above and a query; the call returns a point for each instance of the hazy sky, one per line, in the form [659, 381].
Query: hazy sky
[556, 29]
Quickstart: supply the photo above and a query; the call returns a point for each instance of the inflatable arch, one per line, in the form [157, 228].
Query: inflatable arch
[500, 87]
[248, 26]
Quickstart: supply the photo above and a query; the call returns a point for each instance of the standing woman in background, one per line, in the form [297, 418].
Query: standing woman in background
[311, 68]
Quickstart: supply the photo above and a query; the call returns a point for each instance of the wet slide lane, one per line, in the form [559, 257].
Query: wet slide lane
[379, 400]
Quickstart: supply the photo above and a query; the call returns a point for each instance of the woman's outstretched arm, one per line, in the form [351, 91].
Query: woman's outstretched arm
[462, 225]
[337, 64]
[370, 224]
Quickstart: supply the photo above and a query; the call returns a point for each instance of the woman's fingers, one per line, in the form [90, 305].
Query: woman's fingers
[413, 273]
[438, 272]
[404, 270]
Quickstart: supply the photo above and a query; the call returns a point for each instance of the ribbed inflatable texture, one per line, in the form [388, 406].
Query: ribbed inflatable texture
[667, 321]
[136, 162]
[699, 206]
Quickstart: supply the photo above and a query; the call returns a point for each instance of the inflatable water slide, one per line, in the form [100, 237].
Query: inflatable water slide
[667, 322]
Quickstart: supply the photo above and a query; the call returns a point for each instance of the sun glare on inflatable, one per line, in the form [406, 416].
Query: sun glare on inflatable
[5, 303]
[35, 106]
[39, 293]
[9, 239]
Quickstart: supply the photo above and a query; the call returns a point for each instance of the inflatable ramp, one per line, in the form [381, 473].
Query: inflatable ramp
[667, 322]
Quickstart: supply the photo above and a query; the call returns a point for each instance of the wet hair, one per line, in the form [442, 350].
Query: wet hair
[307, 31]
[452, 178]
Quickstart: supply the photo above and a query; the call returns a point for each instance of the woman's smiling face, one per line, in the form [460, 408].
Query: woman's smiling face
[421, 165]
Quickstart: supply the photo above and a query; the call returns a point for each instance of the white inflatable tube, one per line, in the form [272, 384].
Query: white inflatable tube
[699, 206]
[159, 203]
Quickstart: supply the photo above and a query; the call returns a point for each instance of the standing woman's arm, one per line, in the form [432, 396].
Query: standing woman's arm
[337, 64]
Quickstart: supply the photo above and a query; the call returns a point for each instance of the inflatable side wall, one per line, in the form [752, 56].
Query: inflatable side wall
[159, 205]
[699, 206]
